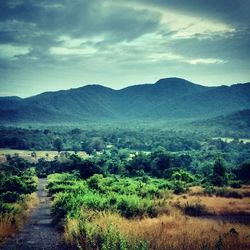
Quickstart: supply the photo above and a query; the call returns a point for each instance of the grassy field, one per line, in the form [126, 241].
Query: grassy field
[173, 232]
[238, 205]
[27, 154]
[93, 219]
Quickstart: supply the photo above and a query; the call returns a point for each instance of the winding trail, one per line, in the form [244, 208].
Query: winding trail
[38, 233]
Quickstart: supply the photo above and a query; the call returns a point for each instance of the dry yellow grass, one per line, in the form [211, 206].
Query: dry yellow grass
[199, 191]
[11, 224]
[216, 205]
[172, 232]
[221, 205]
[26, 154]
[176, 231]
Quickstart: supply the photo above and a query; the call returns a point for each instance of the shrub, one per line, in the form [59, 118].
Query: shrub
[209, 190]
[243, 172]
[179, 187]
[196, 209]
[10, 197]
[235, 184]
[219, 177]
[225, 192]
[131, 206]
[5, 209]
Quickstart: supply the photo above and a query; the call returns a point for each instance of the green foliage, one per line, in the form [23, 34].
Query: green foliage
[6, 208]
[10, 197]
[92, 236]
[113, 240]
[129, 196]
[132, 205]
[235, 184]
[219, 177]
[244, 171]
[182, 175]
[209, 190]
[17, 180]
[58, 144]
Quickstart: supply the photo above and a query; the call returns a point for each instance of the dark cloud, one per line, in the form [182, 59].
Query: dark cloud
[233, 47]
[236, 11]
[76, 18]
[151, 39]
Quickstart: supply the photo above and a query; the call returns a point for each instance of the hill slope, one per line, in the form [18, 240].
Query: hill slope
[236, 124]
[166, 99]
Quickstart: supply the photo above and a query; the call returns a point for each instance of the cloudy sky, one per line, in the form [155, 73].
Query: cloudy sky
[61, 44]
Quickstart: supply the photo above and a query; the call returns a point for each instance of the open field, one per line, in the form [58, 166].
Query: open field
[217, 205]
[94, 220]
[229, 139]
[27, 154]
[173, 231]
[185, 232]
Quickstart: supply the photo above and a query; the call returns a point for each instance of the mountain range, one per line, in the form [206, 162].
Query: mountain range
[169, 98]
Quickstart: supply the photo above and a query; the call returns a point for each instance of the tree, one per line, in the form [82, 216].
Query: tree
[33, 154]
[58, 144]
[97, 143]
[219, 177]
[88, 168]
[243, 172]
[76, 148]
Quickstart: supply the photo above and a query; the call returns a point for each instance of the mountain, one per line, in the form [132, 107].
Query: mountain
[168, 98]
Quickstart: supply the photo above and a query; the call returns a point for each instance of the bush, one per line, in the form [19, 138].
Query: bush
[235, 184]
[225, 192]
[131, 206]
[243, 172]
[5, 209]
[179, 187]
[196, 209]
[10, 197]
[209, 190]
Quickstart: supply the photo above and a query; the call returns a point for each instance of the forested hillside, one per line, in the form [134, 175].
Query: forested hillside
[170, 98]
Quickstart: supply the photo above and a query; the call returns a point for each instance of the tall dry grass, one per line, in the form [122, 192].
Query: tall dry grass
[216, 205]
[10, 224]
[171, 232]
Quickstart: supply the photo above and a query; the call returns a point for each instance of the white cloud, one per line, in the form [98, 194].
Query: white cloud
[75, 46]
[184, 26]
[71, 51]
[70, 42]
[8, 51]
[156, 57]
[205, 61]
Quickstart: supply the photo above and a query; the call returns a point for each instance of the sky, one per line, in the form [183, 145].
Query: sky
[50, 45]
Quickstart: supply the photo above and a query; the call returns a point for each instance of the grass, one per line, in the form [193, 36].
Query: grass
[171, 232]
[11, 223]
[217, 205]
[93, 220]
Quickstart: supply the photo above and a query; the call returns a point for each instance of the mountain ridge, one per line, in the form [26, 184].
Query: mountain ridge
[168, 98]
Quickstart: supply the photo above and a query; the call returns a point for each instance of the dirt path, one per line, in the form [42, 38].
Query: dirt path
[38, 233]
